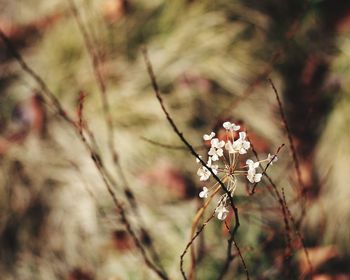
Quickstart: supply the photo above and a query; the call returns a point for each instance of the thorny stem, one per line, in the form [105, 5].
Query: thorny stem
[95, 61]
[183, 139]
[94, 156]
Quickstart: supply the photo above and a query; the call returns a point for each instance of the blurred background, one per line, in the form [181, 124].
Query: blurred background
[212, 60]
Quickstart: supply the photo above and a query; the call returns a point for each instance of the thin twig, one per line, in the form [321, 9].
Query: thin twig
[80, 110]
[297, 232]
[128, 193]
[183, 139]
[267, 166]
[283, 209]
[170, 147]
[189, 244]
[94, 156]
[102, 170]
[292, 147]
[229, 256]
[258, 159]
[195, 222]
[26, 68]
[95, 62]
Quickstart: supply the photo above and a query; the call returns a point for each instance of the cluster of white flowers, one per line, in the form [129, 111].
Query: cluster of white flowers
[228, 153]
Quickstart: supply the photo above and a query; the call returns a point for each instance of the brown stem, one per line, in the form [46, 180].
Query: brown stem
[292, 148]
[279, 199]
[297, 232]
[183, 139]
[229, 256]
[267, 166]
[195, 222]
[170, 147]
[96, 63]
[191, 242]
[94, 156]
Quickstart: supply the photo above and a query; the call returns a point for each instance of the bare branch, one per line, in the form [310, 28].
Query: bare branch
[267, 166]
[229, 256]
[170, 147]
[54, 102]
[95, 62]
[94, 156]
[279, 199]
[291, 145]
[189, 244]
[182, 138]
[187, 144]
[297, 232]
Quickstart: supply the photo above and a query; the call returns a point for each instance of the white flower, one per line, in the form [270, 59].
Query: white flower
[204, 173]
[226, 125]
[204, 193]
[213, 167]
[251, 164]
[229, 147]
[210, 136]
[227, 165]
[231, 126]
[271, 159]
[216, 150]
[216, 143]
[253, 177]
[241, 145]
[222, 212]
[215, 153]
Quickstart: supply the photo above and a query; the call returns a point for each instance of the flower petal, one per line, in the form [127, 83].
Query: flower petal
[257, 177]
[226, 125]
